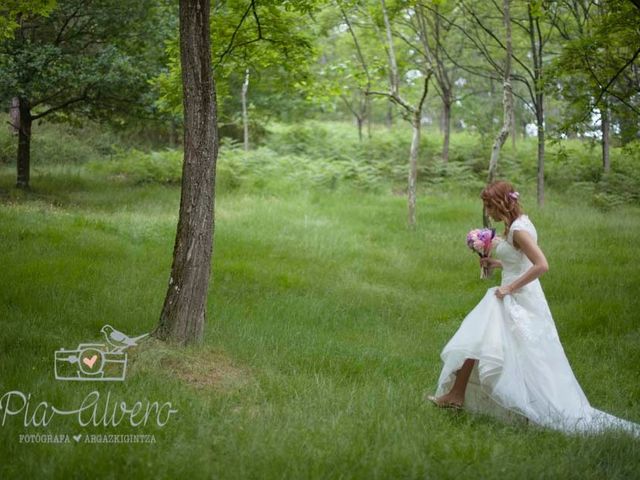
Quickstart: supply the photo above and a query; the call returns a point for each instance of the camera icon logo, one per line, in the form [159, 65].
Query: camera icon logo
[102, 362]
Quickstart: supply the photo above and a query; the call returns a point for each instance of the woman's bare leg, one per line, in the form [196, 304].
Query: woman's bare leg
[456, 394]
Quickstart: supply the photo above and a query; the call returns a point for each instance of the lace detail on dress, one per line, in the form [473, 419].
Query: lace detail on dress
[525, 327]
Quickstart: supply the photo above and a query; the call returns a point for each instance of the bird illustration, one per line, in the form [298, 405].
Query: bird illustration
[119, 340]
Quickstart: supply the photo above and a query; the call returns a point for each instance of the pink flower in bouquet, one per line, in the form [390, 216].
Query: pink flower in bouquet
[481, 242]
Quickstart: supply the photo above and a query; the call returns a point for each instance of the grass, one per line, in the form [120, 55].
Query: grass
[326, 318]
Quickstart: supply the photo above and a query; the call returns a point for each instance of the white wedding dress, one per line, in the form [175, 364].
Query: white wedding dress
[522, 371]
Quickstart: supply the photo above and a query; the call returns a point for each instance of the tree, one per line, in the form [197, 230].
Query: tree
[245, 111]
[480, 30]
[271, 40]
[85, 60]
[350, 62]
[12, 12]
[535, 84]
[413, 111]
[431, 35]
[597, 70]
[183, 314]
[362, 111]
[507, 101]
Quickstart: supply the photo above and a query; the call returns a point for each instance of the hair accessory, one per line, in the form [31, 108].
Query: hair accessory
[514, 195]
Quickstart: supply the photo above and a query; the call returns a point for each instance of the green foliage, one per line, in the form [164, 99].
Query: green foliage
[54, 144]
[163, 167]
[234, 131]
[333, 312]
[272, 40]
[577, 167]
[97, 67]
[14, 11]
[599, 51]
[329, 156]
[259, 169]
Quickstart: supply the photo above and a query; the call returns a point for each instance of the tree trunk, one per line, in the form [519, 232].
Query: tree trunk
[245, 114]
[389, 116]
[535, 38]
[605, 125]
[446, 124]
[183, 314]
[24, 144]
[413, 168]
[14, 116]
[415, 112]
[497, 146]
[359, 122]
[513, 127]
[369, 114]
[540, 125]
[507, 105]
[172, 135]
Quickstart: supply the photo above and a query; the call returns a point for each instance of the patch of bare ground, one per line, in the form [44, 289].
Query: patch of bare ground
[198, 367]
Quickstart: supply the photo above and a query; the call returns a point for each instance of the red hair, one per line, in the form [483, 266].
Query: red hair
[500, 195]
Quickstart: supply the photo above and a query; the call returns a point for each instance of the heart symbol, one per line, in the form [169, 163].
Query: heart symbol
[77, 437]
[88, 362]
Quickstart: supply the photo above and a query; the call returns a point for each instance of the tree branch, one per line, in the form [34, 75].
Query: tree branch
[231, 46]
[495, 38]
[58, 107]
[613, 79]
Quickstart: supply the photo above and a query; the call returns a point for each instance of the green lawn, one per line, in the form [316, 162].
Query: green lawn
[326, 318]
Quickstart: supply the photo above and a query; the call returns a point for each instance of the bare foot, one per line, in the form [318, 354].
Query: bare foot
[448, 400]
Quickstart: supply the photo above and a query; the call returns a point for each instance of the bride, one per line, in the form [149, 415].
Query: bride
[506, 358]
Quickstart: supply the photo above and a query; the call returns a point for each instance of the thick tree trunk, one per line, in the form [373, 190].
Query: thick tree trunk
[413, 169]
[245, 113]
[446, 124]
[183, 314]
[605, 125]
[24, 144]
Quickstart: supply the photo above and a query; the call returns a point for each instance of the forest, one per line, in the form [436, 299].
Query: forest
[278, 193]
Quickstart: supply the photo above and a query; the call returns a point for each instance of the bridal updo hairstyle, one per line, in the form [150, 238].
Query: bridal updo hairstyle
[504, 199]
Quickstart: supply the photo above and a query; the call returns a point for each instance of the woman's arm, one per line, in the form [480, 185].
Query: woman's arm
[525, 242]
[490, 262]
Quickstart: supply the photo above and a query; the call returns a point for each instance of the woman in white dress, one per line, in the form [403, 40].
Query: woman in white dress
[506, 358]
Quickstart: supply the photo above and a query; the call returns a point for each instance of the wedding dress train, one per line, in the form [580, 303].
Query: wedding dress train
[521, 370]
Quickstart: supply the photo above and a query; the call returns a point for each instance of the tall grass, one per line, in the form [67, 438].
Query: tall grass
[326, 317]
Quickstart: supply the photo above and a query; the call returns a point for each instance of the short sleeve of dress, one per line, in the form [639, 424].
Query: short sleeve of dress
[522, 223]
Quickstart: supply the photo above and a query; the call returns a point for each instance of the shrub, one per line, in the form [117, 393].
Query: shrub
[57, 144]
[330, 156]
[160, 167]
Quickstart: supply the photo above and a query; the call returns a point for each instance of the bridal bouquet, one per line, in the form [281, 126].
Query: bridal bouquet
[481, 241]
